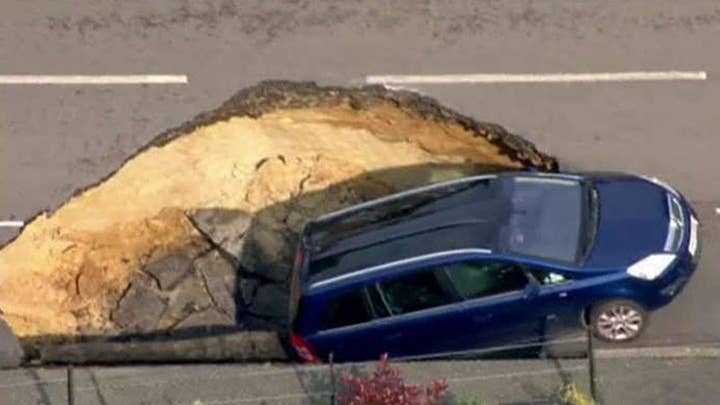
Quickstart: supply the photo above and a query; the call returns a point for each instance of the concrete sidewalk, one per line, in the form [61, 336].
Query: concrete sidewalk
[620, 381]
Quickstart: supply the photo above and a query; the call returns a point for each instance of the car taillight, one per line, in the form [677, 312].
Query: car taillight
[304, 349]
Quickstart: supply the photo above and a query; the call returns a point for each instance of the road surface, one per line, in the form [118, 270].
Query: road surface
[57, 138]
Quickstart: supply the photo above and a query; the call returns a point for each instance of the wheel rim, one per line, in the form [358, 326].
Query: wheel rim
[619, 323]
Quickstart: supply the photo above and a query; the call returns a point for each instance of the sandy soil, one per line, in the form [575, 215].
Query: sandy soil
[65, 272]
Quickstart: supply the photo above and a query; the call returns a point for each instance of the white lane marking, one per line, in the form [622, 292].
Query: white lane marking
[93, 79]
[403, 88]
[537, 77]
[11, 224]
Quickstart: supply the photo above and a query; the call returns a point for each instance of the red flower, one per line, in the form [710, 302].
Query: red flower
[386, 386]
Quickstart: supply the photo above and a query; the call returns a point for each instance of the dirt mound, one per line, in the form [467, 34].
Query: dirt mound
[197, 228]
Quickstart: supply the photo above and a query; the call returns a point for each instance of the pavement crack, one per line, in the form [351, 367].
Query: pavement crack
[206, 287]
[223, 253]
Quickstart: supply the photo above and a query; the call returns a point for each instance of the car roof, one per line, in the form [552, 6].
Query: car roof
[454, 216]
[462, 214]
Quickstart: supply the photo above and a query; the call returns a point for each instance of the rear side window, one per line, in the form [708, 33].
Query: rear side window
[476, 279]
[347, 309]
[415, 292]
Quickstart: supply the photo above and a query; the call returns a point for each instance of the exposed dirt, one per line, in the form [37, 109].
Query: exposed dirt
[283, 152]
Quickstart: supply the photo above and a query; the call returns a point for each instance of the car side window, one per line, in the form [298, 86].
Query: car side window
[414, 292]
[476, 279]
[546, 277]
[347, 309]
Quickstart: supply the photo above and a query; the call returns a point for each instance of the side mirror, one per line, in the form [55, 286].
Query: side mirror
[531, 291]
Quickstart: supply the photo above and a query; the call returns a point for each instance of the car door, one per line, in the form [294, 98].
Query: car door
[559, 302]
[498, 302]
[347, 328]
[424, 310]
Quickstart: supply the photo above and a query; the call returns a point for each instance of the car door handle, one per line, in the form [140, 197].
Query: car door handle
[482, 318]
[563, 294]
[394, 336]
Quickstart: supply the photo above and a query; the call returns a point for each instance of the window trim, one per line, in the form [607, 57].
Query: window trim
[391, 318]
[519, 293]
[398, 263]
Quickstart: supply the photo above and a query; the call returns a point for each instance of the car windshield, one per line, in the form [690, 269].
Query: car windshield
[546, 219]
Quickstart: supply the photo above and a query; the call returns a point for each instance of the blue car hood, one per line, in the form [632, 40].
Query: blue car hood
[633, 222]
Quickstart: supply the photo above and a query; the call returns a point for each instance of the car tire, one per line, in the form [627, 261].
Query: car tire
[618, 321]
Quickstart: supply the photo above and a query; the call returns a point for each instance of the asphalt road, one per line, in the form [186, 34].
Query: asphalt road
[54, 139]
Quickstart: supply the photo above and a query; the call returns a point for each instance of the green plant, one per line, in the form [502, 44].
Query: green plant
[570, 394]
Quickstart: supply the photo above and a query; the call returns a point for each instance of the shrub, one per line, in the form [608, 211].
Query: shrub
[386, 386]
[570, 394]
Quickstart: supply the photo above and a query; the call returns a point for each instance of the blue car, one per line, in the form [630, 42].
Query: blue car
[490, 260]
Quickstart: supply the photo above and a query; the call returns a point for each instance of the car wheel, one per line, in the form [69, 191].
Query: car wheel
[618, 321]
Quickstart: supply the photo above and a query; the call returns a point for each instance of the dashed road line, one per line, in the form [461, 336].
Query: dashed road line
[11, 224]
[93, 79]
[538, 77]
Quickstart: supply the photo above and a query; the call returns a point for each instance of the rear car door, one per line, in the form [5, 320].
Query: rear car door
[409, 314]
[353, 330]
[498, 302]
